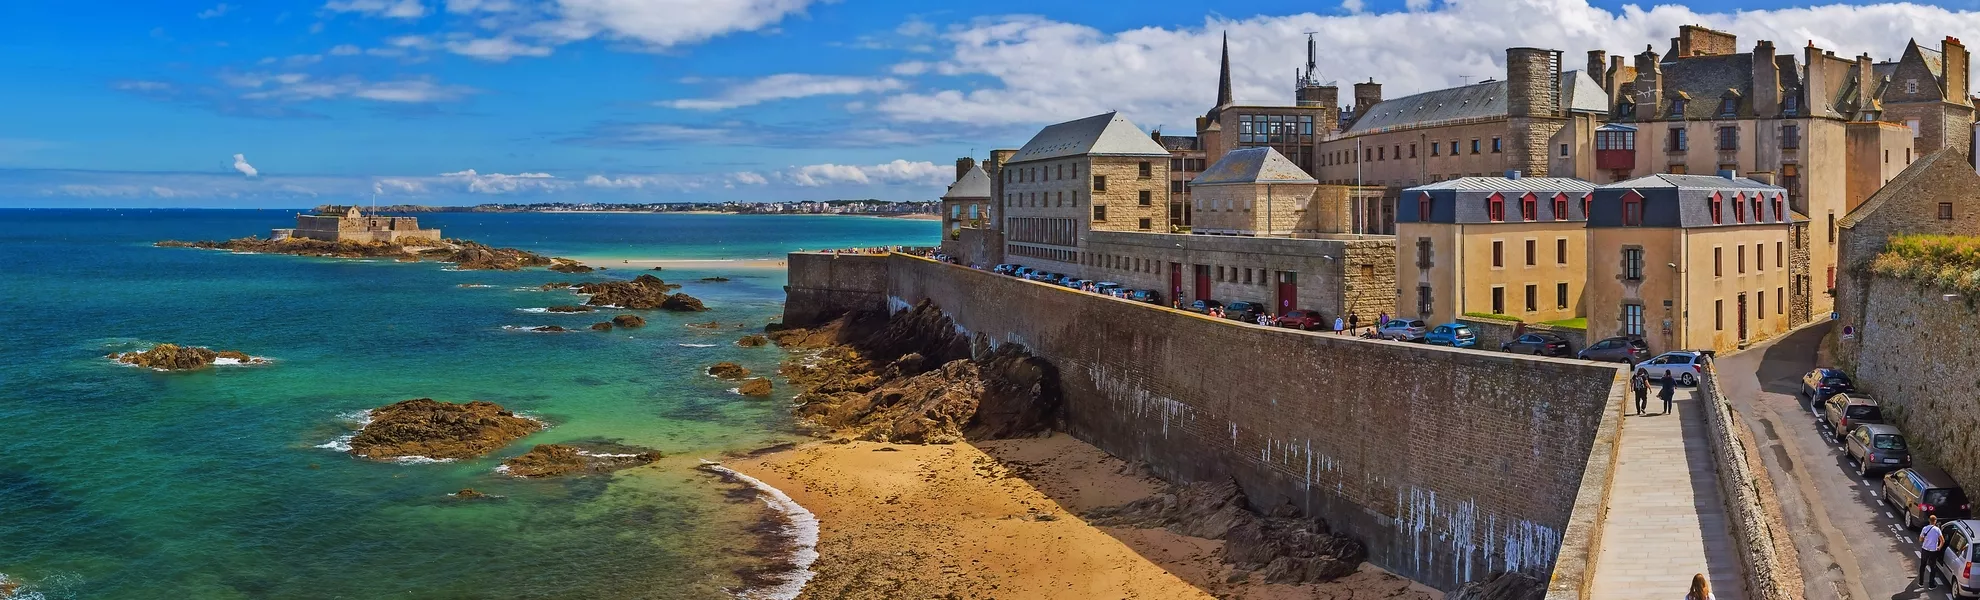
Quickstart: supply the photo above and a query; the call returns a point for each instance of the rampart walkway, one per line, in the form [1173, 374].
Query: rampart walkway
[1666, 520]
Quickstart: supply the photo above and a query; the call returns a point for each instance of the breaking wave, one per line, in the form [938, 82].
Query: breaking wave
[800, 527]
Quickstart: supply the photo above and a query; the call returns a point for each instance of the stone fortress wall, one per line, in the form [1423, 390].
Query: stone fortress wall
[1451, 465]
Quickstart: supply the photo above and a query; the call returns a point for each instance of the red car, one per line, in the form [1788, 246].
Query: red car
[1306, 320]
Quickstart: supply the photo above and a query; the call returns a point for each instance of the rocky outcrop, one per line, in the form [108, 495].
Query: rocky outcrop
[753, 341]
[708, 325]
[1501, 586]
[549, 329]
[602, 326]
[714, 279]
[643, 293]
[629, 321]
[682, 303]
[173, 357]
[549, 460]
[466, 255]
[755, 387]
[728, 370]
[565, 265]
[470, 494]
[570, 308]
[433, 429]
[1280, 544]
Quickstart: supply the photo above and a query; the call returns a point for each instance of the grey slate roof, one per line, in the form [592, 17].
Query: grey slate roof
[1908, 183]
[1485, 100]
[1105, 134]
[1466, 199]
[974, 184]
[1685, 201]
[1252, 165]
[1705, 81]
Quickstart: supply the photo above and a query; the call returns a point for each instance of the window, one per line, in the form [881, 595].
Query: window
[1474, 146]
[1412, 150]
[1075, 199]
[1175, 164]
[1423, 253]
[1560, 295]
[1738, 207]
[1561, 207]
[1532, 298]
[1176, 187]
[1780, 301]
[1633, 264]
[1760, 305]
[1728, 138]
[1676, 143]
[1147, 170]
[1913, 124]
[1945, 211]
[1495, 208]
[1496, 146]
[1739, 257]
[1433, 148]
[1075, 173]
[1529, 208]
[1790, 136]
[1423, 208]
[1396, 152]
[1677, 107]
[1716, 208]
[1099, 212]
[1587, 203]
[1498, 299]
[1145, 224]
[1719, 315]
[1780, 260]
[1633, 319]
[1759, 257]
[1564, 150]
[1729, 106]
[1718, 262]
[1099, 183]
[1423, 303]
[1832, 227]
[1755, 205]
[1381, 153]
[1777, 208]
[1498, 253]
[1532, 255]
[1911, 86]
[1146, 197]
[1454, 151]
[1560, 251]
[1632, 209]
[1793, 103]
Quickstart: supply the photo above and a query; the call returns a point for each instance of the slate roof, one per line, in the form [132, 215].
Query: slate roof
[1484, 100]
[1684, 201]
[974, 184]
[1704, 82]
[1252, 165]
[1105, 134]
[1466, 199]
[1904, 183]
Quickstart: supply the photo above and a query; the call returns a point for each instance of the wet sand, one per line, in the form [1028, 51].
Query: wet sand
[999, 519]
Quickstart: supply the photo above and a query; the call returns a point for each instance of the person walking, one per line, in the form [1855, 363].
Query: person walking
[1354, 323]
[1382, 320]
[1668, 391]
[1700, 588]
[1264, 319]
[1338, 325]
[1930, 541]
[1640, 383]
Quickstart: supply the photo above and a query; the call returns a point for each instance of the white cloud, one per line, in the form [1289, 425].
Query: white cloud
[241, 164]
[1353, 6]
[498, 183]
[345, 50]
[898, 172]
[299, 87]
[1030, 70]
[391, 9]
[786, 86]
[471, 6]
[748, 177]
[217, 11]
[497, 49]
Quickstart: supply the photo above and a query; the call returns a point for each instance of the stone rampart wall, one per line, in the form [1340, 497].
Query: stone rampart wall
[1918, 354]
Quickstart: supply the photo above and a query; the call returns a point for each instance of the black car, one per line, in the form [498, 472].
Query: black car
[1204, 306]
[1819, 384]
[1538, 343]
[1244, 311]
[1148, 296]
[1919, 492]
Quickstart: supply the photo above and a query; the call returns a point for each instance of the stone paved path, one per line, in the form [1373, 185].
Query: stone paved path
[1666, 521]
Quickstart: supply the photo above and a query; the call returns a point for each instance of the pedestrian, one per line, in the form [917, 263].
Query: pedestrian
[1176, 304]
[1338, 325]
[1700, 589]
[1640, 383]
[1930, 540]
[1382, 320]
[1354, 323]
[1667, 391]
[1264, 319]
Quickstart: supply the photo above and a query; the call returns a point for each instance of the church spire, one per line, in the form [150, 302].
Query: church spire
[1224, 75]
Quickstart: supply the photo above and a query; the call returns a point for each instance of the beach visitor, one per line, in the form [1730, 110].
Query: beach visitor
[1667, 391]
[1930, 540]
[1338, 325]
[1640, 383]
[1700, 589]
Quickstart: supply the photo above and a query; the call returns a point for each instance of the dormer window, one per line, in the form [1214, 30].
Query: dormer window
[1561, 207]
[1717, 208]
[1738, 203]
[1677, 107]
[1729, 106]
[1791, 105]
[1423, 208]
[1777, 208]
[1627, 108]
[1632, 209]
[1757, 217]
[1529, 208]
[1495, 208]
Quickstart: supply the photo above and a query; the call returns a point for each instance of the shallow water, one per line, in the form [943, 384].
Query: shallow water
[118, 482]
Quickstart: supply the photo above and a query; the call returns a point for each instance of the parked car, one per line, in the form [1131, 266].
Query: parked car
[1920, 491]
[1077, 284]
[1148, 296]
[1109, 288]
[1004, 269]
[1819, 384]
[1877, 448]
[1455, 335]
[1844, 411]
[1682, 365]
[1956, 557]
[1244, 311]
[1622, 349]
[1304, 320]
[1204, 306]
[1538, 343]
[1403, 330]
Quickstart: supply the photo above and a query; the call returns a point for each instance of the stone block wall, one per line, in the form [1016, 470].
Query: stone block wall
[1920, 357]
[822, 286]
[1472, 464]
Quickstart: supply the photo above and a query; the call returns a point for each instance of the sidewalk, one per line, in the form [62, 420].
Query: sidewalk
[1665, 519]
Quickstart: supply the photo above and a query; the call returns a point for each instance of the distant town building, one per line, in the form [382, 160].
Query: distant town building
[348, 224]
[1514, 246]
[966, 204]
[1100, 173]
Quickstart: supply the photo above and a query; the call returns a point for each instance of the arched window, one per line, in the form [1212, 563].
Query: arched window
[1561, 207]
[1529, 208]
[1495, 208]
[1632, 209]
[1714, 206]
[1423, 208]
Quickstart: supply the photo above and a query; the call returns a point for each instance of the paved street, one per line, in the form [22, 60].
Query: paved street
[1850, 546]
[1665, 520]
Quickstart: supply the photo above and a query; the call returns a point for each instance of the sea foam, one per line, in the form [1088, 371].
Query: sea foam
[696, 345]
[799, 525]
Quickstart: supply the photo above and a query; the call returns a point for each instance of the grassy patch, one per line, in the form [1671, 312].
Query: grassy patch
[1492, 316]
[1574, 323]
[1947, 261]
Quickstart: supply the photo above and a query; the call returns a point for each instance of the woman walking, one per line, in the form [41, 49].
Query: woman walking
[1700, 589]
[1667, 391]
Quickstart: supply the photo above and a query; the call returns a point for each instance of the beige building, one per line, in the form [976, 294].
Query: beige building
[1100, 173]
[965, 204]
[1252, 191]
[1513, 246]
[1689, 261]
[1336, 275]
[348, 224]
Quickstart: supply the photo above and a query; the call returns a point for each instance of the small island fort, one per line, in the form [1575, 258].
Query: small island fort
[333, 223]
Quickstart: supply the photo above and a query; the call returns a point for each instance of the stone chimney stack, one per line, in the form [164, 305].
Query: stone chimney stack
[1696, 40]
[1533, 82]
[1366, 96]
[1598, 65]
[1959, 89]
[1867, 82]
[963, 165]
[1649, 85]
[1766, 81]
[1815, 86]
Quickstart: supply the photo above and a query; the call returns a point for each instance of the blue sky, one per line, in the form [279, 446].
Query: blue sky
[469, 101]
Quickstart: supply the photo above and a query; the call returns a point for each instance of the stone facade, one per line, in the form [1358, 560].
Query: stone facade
[1472, 465]
[1936, 195]
[1931, 399]
[1281, 273]
[348, 224]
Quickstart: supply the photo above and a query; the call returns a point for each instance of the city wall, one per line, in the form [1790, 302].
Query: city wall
[1919, 356]
[1451, 465]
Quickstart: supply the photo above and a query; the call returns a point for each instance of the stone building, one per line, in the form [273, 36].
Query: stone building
[1929, 92]
[1938, 194]
[1514, 246]
[348, 224]
[1100, 173]
[1689, 261]
[1252, 191]
[1338, 275]
[966, 204]
[1186, 159]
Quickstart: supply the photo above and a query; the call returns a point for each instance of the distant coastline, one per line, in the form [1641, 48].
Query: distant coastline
[858, 208]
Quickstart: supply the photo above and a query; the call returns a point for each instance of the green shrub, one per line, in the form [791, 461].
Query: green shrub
[1946, 261]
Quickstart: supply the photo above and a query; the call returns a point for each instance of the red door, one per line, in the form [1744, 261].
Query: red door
[1288, 292]
[1202, 282]
[1175, 282]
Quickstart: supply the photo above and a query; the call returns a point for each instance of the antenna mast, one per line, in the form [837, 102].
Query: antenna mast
[1309, 78]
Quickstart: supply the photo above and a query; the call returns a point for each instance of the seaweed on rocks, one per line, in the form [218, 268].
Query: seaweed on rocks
[755, 387]
[1281, 544]
[601, 326]
[173, 357]
[466, 255]
[629, 321]
[549, 460]
[439, 430]
[728, 370]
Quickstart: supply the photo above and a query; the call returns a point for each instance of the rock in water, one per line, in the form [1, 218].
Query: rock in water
[728, 370]
[469, 494]
[173, 357]
[549, 329]
[643, 292]
[758, 387]
[682, 303]
[546, 460]
[434, 429]
[570, 308]
[708, 325]
[629, 321]
[601, 326]
[753, 341]
[564, 265]
[714, 279]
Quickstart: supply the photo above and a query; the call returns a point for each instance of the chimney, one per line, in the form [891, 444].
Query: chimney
[1649, 85]
[1612, 79]
[963, 165]
[1729, 174]
[1766, 177]
[1866, 82]
[1766, 81]
[1533, 82]
[1815, 88]
[1366, 96]
[1959, 88]
[1694, 40]
[1514, 174]
[1598, 64]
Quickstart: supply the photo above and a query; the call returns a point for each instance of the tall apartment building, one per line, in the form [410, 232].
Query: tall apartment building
[1186, 159]
[1100, 173]
[1514, 246]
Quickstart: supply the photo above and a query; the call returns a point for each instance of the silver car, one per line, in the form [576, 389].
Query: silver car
[1956, 559]
[1403, 330]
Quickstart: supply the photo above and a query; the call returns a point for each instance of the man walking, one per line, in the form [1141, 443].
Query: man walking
[1640, 383]
[1930, 541]
[1354, 323]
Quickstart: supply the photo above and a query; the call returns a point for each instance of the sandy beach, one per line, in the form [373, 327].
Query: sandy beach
[1000, 519]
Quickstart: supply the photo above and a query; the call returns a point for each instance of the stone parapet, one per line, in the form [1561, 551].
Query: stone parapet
[1767, 555]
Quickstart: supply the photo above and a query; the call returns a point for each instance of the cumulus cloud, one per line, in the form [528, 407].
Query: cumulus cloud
[241, 164]
[896, 172]
[299, 87]
[217, 11]
[391, 9]
[787, 86]
[498, 183]
[504, 29]
[496, 49]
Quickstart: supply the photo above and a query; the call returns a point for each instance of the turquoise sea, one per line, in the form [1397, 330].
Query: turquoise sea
[118, 482]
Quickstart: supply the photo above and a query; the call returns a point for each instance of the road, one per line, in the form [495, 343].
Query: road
[1850, 546]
